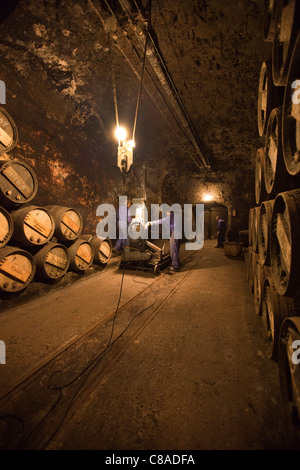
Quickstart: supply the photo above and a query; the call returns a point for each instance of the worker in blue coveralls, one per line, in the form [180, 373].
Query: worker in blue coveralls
[222, 227]
[123, 219]
[174, 243]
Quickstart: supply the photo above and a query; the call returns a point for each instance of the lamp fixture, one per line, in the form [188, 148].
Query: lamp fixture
[125, 150]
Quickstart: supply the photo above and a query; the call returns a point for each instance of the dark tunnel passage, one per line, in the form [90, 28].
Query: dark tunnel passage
[122, 122]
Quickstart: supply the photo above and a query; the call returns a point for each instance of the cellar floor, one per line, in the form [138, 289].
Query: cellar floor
[192, 375]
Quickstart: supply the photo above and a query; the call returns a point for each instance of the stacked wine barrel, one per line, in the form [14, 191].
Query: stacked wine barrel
[37, 243]
[273, 267]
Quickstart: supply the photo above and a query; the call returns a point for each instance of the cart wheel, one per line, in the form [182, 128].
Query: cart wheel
[156, 269]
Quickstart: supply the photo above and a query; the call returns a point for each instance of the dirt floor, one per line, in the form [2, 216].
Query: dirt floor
[188, 367]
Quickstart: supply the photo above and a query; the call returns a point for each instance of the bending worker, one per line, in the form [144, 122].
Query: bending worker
[174, 242]
[123, 219]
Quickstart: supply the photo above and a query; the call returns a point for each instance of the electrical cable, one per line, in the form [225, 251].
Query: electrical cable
[140, 87]
[174, 50]
[148, 91]
[90, 366]
[163, 63]
[171, 82]
[119, 300]
[94, 364]
[110, 57]
[143, 68]
[96, 361]
[108, 6]
[169, 109]
[112, 70]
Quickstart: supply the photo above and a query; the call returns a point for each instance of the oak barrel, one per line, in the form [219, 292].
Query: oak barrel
[68, 222]
[52, 261]
[248, 260]
[264, 231]
[33, 226]
[17, 269]
[258, 280]
[18, 183]
[269, 97]
[289, 376]
[254, 228]
[81, 255]
[249, 268]
[250, 223]
[286, 29]
[260, 190]
[276, 176]
[6, 227]
[275, 308]
[291, 115]
[102, 248]
[269, 20]
[8, 132]
[285, 246]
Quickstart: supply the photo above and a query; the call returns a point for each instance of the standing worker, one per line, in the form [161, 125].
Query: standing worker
[222, 227]
[123, 219]
[174, 242]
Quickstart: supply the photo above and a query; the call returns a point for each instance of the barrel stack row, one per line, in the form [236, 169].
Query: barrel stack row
[39, 243]
[274, 223]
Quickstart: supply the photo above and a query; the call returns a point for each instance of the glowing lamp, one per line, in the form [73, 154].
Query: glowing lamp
[125, 150]
[121, 134]
[207, 197]
[131, 143]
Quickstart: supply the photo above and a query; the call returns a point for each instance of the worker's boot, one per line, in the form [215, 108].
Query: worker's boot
[173, 270]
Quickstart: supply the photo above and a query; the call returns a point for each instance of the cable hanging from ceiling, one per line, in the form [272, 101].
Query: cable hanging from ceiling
[159, 66]
[184, 124]
[125, 147]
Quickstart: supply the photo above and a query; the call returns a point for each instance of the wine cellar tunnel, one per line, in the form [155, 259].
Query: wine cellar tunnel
[123, 122]
[210, 214]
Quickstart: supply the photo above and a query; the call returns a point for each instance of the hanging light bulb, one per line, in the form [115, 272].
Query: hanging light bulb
[125, 150]
[121, 134]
